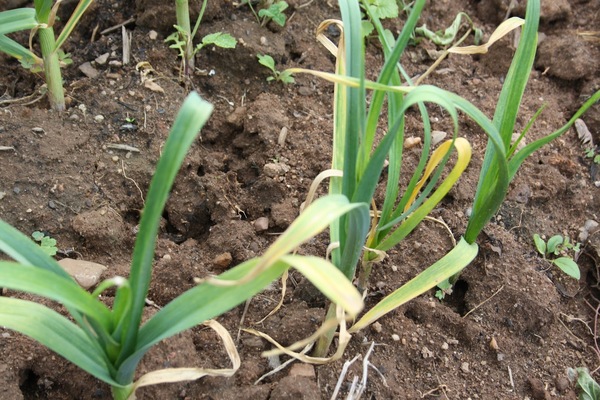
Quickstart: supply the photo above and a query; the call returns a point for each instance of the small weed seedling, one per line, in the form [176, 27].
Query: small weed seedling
[40, 20]
[183, 37]
[591, 154]
[274, 12]
[269, 10]
[47, 244]
[282, 76]
[559, 246]
[588, 387]
[381, 9]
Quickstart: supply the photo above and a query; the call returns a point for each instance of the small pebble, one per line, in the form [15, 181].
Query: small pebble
[412, 142]
[494, 344]
[376, 327]
[101, 60]
[89, 71]
[52, 205]
[261, 224]
[306, 370]
[562, 384]
[445, 346]
[152, 35]
[464, 367]
[167, 257]
[99, 118]
[426, 353]
[395, 337]
[223, 260]
[38, 130]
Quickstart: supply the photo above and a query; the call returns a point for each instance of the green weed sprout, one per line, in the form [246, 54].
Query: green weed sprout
[109, 343]
[274, 12]
[47, 244]
[40, 19]
[589, 389]
[381, 9]
[557, 245]
[282, 76]
[448, 36]
[357, 163]
[183, 37]
[269, 10]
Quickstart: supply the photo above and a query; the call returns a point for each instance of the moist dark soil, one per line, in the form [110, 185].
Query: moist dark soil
[514, 323]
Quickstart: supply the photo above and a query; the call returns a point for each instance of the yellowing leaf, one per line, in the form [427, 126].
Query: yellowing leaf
[502, 30]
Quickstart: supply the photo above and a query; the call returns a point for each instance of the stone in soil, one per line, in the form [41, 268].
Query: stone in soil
[86, 273]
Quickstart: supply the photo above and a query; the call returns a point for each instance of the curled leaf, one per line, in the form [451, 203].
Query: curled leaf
[502, 30]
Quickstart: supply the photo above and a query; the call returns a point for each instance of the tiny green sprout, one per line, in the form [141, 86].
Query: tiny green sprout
[130, 120]
[282, 76]
[274, 13]
[381, 9]
[588, 388]
[183, 37]
[591, 153]
[47, 244]
[559, 246]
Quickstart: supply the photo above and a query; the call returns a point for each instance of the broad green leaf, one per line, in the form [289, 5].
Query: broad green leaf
[47, 284]
[220, 39]
[540, 245]
[267, 61]
[568, 266]
[42, 10]
[197, 305]
[590, 390]
[451, 264]
[553, 244]
[493, 185]
[367, 28]
[20, 19]
[383, 9]
[56, 333]
[191, 118]
[286, 77]
[275, 12]
[21, 53]
[37, 236]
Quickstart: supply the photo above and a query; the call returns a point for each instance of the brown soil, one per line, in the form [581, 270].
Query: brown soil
[66, 182]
